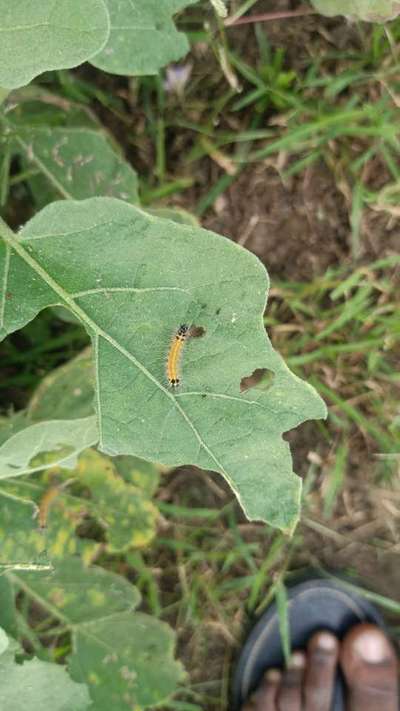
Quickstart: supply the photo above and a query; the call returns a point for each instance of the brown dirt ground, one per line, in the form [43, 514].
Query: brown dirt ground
[297, 229]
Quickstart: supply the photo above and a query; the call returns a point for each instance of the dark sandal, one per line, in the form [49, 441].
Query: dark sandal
[314, 605]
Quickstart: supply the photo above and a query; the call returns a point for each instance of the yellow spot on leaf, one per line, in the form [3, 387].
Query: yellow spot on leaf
[96, 597]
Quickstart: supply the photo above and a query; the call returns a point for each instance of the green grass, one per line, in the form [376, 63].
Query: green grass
[345, 341]
[344, 118]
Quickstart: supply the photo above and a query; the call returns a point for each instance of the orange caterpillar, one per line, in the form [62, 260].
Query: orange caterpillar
[47, 500]
[45, 503]
[174, 355]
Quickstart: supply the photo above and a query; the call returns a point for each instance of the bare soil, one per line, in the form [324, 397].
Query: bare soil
[298, 228]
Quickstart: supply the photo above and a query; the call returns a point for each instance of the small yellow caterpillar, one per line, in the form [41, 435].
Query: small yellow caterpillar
[45, 503]
[174, 355]
[47, 500]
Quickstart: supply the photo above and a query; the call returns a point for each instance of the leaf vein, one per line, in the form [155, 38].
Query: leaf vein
[49, 175]
[127, 289]
[4, 285]
[97, 389]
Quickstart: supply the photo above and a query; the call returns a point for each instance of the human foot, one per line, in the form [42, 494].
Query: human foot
[368, 662]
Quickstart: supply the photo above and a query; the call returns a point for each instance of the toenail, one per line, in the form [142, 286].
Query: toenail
[326, 642]
[372, 647]
[273, 675]
[297, 661]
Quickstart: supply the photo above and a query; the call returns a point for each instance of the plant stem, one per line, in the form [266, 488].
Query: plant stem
[269, 16]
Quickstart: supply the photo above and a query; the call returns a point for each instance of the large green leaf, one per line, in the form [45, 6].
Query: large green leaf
[122, 510]
[22, 546]
[8, 615]
[36, 105]
[139, 473]
[125, 657]
[9, 426]
[369, 10]
[143, 37]
[176, 214]
[37, 36]
[46, 444]
[132, 279]
[70, 156]
[3, 94]
[124, 660]
[66, 393]
[76, 162]
[35, 684]
[115, 494]
[58, 424]
[25, 545]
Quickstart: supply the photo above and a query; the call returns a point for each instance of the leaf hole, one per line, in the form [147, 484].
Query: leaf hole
[260, 376]
[89, 527]
[196, 331]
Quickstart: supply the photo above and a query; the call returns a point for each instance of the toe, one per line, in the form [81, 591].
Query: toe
[369, 664]
[322, 659]
[264, 698]
[291, 690]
